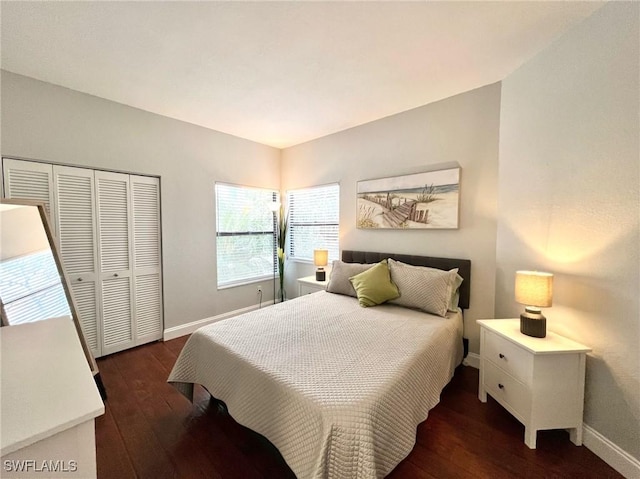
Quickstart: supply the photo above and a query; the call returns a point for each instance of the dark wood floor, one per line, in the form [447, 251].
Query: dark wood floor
[151, 431]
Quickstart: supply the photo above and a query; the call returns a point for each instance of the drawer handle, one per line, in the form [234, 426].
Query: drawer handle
[115, 275]
[501, 386]
[79, 279]
[501, 356]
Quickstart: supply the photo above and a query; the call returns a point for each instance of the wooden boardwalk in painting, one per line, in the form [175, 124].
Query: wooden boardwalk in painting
[397, 217]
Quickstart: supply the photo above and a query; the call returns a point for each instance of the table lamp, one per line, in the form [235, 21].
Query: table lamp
[320, 259]
[534, 289]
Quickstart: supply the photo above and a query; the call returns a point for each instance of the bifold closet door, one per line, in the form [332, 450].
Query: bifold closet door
[115, 254]
[74, 194]
[147, 273]
[108, 228]
[29, 180]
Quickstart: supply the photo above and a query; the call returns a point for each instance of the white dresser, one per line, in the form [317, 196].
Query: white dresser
[49, 402]
[538, 380]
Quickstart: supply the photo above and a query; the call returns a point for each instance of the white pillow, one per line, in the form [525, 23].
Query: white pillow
[428, 289]
[341, 272]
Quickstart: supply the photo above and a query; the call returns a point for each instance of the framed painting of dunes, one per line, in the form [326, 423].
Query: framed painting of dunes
[428, 200]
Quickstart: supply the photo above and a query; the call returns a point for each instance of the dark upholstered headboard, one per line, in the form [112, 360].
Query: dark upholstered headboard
[463, 265]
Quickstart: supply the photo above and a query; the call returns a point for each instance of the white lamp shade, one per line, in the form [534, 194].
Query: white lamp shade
[534, 288]
[320, 257]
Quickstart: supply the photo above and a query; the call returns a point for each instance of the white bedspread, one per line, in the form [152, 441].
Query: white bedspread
[337, 388]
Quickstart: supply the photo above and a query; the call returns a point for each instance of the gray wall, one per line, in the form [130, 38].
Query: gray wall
[462, 129]
[47, 122]
[569, 203]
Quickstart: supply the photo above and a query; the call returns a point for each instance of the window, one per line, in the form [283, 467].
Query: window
[314, 221]
[244, 234]
[30, 288]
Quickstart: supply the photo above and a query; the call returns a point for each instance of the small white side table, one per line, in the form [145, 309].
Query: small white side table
[308, 285]
[540, 381]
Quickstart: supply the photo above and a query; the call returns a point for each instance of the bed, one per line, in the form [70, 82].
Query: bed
[338, 388]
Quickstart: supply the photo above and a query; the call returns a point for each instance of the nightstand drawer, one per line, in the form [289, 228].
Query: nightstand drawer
[507, 391]
[308, 289]
[508, 356]
[310, 285]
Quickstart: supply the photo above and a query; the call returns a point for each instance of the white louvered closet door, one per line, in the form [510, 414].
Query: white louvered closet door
[115, 253]
[76, 224]
[30, 180]
[147, 277]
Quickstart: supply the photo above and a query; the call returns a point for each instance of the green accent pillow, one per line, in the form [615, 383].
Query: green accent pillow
[374, 286]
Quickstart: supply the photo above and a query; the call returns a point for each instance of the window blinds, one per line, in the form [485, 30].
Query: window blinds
[30, 288]
[314, 221]
[244, 233]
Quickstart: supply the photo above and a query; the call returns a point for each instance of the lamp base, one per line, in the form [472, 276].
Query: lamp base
[534, 325]
[321, 275]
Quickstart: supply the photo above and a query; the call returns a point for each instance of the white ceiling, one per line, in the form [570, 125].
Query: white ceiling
[279, 73]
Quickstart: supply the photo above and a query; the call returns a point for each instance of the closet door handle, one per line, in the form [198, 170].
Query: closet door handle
[501, 386]
[501, 356]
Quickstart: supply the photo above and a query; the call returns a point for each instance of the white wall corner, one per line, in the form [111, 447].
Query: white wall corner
[184, 329]
[472, 360]
[620, 460]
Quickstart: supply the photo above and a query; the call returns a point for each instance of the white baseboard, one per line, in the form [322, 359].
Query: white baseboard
[610, 453]
[184, 329]
[472, 360]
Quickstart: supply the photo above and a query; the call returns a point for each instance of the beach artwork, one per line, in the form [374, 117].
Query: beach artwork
[420, 201]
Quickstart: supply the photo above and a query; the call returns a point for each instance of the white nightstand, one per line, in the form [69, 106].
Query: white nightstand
[538, 380]
[308, 285]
